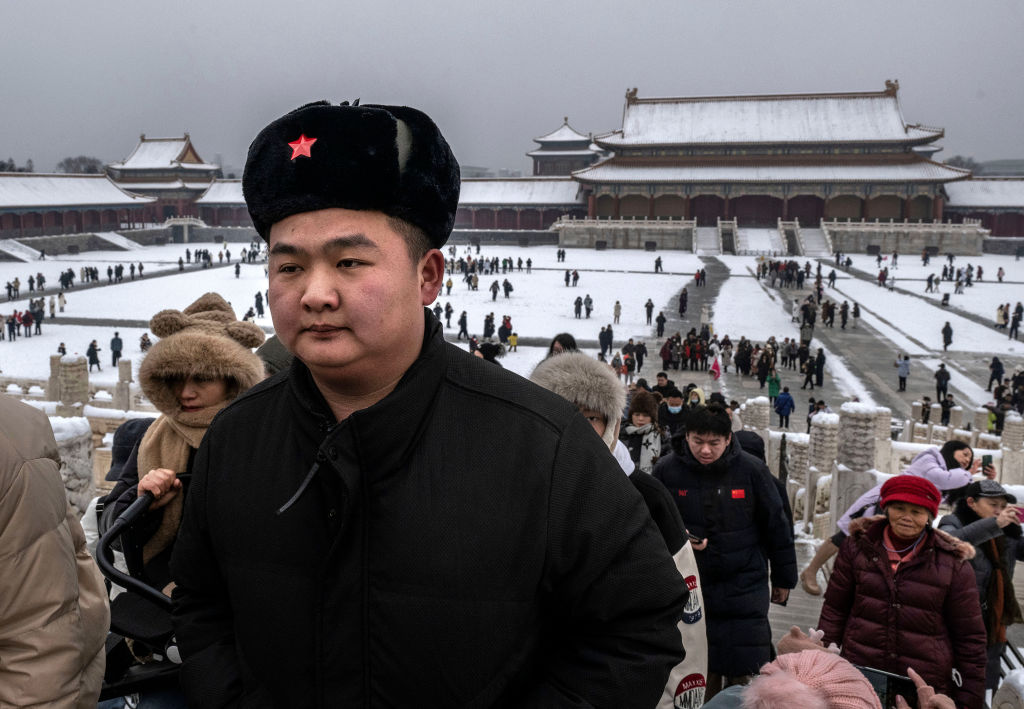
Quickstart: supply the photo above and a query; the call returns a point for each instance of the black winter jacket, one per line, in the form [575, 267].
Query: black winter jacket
[965, 524]
[393, 559]
[735, 504]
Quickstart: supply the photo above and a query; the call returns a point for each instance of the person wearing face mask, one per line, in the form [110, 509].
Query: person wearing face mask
[695, 397]
[671, 413]
[988, 517]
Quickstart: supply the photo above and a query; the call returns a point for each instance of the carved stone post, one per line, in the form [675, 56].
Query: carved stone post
[74, 385]
[123, 388]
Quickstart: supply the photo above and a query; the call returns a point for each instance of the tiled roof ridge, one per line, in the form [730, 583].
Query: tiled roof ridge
[523, 178]
[633, 98]
[53, 174]
[565, 124]
[770, 160]
[992, 178]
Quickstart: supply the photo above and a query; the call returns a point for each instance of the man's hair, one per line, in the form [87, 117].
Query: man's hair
[661, 374]
[674, 393]
[716, 397]
[416, 241]
[712, 419]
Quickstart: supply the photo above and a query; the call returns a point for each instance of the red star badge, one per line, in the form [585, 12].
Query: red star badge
[301, 146]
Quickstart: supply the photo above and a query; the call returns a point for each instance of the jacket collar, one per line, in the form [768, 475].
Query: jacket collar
[390, 429]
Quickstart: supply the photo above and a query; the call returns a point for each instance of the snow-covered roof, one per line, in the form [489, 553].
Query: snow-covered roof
[588, 152]
[793, 118]
[223, 192]
[564, 134]
[163, 153]
[163, 185]
[522, 190]
[33, 190]
[630, 171]
[986, 192]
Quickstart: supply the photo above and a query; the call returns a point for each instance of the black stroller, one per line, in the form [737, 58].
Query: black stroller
[142, 654]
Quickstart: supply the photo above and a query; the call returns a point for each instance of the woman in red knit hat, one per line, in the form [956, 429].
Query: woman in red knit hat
[901, 596]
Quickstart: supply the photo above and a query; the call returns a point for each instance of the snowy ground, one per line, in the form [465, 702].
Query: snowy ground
[982, 298]
[903, 316]
[541, 305]
[746, 306]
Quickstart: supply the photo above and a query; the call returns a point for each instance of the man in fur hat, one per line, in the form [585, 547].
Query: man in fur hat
[344, 544]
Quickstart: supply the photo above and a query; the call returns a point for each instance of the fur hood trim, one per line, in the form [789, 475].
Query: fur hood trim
[586, 383]
[205, 339]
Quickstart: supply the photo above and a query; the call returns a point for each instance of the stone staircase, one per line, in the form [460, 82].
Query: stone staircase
[18, 250]
[708, 243]
[789, 232]
[815, 243]
[117, 240]
[759, 241]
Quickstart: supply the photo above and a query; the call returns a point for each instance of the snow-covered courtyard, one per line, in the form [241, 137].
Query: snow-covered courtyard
[541, 305]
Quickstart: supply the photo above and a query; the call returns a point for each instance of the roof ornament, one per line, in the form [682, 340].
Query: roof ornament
[631, 95]
[892, 86]
[565, 120]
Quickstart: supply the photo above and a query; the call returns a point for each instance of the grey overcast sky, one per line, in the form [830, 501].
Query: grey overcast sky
[89, 77]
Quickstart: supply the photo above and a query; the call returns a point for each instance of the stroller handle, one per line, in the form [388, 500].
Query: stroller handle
[104, 553]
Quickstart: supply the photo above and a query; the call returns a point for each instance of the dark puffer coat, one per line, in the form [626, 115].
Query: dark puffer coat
[926, 615]
[734, 504]
[390, 560]
[965, 524]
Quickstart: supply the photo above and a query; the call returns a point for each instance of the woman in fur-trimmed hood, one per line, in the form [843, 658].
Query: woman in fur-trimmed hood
[595, 389]
[202, 362]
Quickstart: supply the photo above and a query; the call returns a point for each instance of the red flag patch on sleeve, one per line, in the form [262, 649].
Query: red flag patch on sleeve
[739, 494]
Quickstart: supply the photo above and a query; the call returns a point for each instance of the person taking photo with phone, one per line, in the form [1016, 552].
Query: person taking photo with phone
[988, 518]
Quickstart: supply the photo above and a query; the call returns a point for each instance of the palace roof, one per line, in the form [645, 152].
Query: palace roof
[986, 192]
[564, 134]
[163, 154]
[34, 190]
[519, 191]
[156, 186]
[223, 192]
[618, 170]
[870, 117]
[587, 152]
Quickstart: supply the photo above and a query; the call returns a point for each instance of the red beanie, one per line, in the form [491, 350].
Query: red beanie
[912, 489]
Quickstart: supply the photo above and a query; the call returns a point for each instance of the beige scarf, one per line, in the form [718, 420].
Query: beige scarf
[167, 444]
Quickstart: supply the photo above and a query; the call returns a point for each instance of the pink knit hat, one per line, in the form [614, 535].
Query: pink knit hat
[812, 679]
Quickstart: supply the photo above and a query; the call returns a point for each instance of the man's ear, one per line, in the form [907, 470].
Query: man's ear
[430, 272]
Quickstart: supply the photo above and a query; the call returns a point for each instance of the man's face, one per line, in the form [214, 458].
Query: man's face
[346, 297]
[595, 419]
[662, 381]
[707, 447]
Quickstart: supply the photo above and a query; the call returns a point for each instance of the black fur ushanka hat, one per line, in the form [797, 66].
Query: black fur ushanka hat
[391, 159]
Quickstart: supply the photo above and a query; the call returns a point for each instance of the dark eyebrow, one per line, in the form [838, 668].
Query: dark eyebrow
[340, 242]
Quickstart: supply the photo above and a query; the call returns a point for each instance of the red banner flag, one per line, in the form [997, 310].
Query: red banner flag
[716, 370]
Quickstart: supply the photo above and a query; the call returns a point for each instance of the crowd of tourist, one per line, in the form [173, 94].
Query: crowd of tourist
[327, 538]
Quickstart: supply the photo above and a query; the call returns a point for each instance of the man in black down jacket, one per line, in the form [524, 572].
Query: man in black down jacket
[727, 498]
[351, 537]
